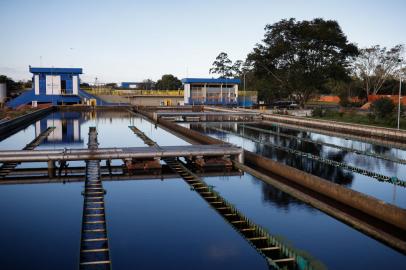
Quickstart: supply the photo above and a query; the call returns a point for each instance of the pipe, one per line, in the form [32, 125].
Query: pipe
[119, 153]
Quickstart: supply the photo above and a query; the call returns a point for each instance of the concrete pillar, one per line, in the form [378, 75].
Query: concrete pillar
[205, 92]
[51, 168]
[221, 93]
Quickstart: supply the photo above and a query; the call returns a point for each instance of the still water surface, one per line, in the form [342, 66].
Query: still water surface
[240, 135]
[155, 224]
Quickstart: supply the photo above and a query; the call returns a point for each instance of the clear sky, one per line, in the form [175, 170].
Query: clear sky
[134, 40]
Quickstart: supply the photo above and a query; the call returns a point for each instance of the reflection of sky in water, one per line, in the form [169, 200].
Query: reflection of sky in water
[365, 184]
[305, 227]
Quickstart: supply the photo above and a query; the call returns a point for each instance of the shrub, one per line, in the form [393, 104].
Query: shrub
[318, 112]
[382, 108]
[344, 99]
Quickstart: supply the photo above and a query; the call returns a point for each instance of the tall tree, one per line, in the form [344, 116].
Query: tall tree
[168, 82]
[376, 64]
[222, 66]
[298, 57]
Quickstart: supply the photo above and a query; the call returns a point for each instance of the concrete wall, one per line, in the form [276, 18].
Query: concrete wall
[143, 100]
[12, 126]
[367, 204]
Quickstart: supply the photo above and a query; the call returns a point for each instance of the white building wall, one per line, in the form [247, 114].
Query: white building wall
[36, 84]
[186, 93]
[75, 85]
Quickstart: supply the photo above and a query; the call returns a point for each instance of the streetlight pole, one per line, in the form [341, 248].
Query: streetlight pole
[244, 91]
[400, 94]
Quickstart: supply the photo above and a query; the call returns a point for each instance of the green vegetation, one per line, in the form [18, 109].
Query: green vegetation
[382, 109]
[300, 60]
[168, 82]
[14, 87]
[356, 117]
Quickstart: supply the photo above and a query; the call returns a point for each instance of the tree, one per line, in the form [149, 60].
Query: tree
[237, 68]
[12, 87]
[222, 66]
[146, 84]
[111, 85]
[168, 82]
[298, 57]
[375, 65]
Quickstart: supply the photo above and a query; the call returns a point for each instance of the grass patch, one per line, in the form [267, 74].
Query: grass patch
[360, 118]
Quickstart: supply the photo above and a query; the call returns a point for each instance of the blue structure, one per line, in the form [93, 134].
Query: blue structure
[129, 85]
[206, 91]
[51, 85]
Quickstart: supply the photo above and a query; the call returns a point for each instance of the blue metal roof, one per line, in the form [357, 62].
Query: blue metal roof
[55, 70]
[211, 80]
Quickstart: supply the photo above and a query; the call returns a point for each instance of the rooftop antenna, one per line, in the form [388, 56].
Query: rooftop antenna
[40, 61]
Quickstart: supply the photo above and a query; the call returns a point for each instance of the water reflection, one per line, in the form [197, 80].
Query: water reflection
[67, 128]
[332, 173]
[256, 141]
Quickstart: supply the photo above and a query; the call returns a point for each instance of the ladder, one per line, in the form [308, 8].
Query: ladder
[94, 247]
[276, 253]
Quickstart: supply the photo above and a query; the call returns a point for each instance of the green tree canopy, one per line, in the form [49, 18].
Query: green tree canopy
[298, 57]
[168, 82]
[12, 86]
[222, 66]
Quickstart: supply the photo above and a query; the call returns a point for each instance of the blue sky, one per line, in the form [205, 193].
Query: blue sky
[133, 40]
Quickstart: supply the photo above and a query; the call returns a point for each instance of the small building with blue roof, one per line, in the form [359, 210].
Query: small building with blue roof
[54, 85]
[210, 91]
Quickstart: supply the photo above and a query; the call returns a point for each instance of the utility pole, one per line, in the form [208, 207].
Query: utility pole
[244, 90]
[400, 94]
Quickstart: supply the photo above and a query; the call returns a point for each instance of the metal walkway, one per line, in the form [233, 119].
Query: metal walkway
[94, 247]
[277, 254]
[8, 167]
[348, 149]
[377, 176]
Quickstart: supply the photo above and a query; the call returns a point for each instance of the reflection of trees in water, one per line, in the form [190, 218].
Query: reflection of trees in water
[334, 174]
[271, 194]
[379, 149]
[277, 197]
[362, 161]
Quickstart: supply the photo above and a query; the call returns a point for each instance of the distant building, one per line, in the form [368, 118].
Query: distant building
[130, 85]
[206, 91]
[145, 85]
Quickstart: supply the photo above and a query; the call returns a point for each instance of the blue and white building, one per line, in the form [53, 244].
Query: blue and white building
[206, 91]
[52, 85]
